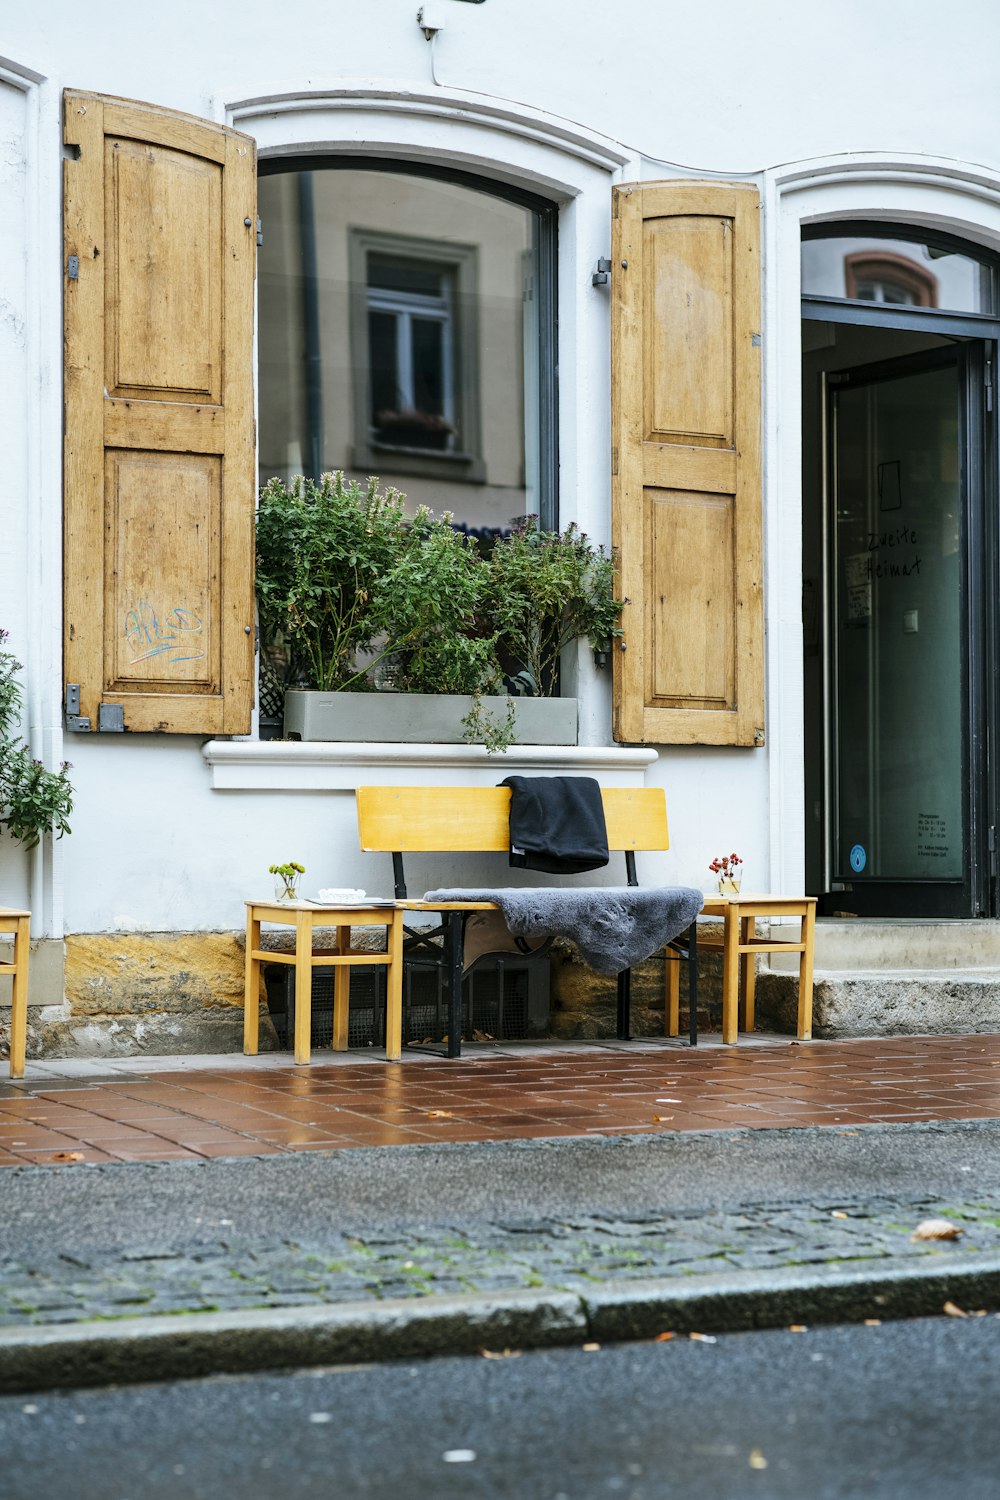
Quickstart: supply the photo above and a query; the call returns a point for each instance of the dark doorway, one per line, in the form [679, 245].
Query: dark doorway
[899, 570]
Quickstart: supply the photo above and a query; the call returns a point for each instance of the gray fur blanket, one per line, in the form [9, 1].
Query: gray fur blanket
[614, 927]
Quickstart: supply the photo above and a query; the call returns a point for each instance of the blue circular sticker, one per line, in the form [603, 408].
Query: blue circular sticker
[858, 858]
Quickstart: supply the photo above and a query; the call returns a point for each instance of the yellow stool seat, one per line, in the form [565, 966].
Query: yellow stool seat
[740, 945]
[18, 923]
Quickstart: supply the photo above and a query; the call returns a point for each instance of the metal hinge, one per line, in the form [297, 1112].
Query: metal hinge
[74, 722]
[111, 718]
[260, 232]
[73, 267]
[601, 273]
[988, 383]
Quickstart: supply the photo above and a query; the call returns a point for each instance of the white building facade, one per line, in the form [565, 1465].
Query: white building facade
[857, 760]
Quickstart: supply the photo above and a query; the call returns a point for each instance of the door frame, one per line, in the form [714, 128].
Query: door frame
[884, 896]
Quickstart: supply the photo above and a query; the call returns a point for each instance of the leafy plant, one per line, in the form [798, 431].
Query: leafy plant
[546, 589]
[357, 595]
[324, 551]
[33, 800]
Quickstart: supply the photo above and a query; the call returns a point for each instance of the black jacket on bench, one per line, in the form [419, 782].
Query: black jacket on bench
[556, 824]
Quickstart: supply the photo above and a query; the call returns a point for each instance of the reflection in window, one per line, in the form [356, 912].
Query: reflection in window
[407, 331]
[410, 355]
[896, 272]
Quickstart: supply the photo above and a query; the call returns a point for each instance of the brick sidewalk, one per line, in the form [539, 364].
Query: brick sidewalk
[165, 1109]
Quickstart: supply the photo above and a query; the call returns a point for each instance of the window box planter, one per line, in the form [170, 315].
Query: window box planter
[420, 718]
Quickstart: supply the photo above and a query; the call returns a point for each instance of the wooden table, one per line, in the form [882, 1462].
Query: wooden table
[19, 923]
[740, 945]
[305, 916]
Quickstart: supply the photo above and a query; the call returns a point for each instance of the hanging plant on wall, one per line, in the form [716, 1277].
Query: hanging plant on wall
[33, 800]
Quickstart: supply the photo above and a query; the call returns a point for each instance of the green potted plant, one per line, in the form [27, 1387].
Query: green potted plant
[361, 604]
[33, 800]
[547, 589]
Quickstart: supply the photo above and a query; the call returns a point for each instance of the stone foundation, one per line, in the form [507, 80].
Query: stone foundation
[160, 993]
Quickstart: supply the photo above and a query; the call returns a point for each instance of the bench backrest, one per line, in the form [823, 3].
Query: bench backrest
[475, 819]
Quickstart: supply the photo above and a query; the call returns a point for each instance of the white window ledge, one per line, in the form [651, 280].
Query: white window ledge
[294, 766]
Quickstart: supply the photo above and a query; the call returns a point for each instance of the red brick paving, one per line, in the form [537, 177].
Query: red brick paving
[184, 1109]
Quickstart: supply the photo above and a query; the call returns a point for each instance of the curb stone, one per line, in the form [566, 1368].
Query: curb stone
[189, 1346]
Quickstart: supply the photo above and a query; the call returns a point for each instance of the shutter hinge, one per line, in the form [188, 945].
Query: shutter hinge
[111, 718]
[74, 723]
[755, 340]
[260, 232]
[614, 460]
[601, 273]
[73, 267]
[988, 383]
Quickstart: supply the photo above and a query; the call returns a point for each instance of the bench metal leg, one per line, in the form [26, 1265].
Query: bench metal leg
[624, 1004]
[692, 941]
[455, 946]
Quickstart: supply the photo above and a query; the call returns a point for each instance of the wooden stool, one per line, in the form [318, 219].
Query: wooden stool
[739, 943]
[19, 923]
[304, 916]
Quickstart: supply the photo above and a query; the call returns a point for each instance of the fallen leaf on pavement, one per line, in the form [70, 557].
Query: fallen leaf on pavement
[661, 1119]
[838, 1214]
[873, 1322]
[68, 1156]
[440, 1114]
[664, 1338]
[936, 1229]
[798, 1328]
[953, 1311]
[703, 1338]
[757, 1459]
[500, 1353]
[590, 1348]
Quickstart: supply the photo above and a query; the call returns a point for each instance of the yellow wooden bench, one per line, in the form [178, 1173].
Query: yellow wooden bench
[401, 820]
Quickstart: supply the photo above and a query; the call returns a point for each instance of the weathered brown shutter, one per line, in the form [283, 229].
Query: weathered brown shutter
[159, 486]
[686, 463]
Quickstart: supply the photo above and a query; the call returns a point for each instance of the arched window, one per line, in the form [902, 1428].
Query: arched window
[407, 330]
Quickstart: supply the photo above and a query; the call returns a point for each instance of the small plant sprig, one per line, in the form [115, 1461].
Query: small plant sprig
[33, 800]
[287, 871]
[726, 866]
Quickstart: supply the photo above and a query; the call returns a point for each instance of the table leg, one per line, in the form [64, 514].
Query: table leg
[342, 993]
[303, 985]
[19, 999]
[748, 970]
[672, 1007]
[251, 990]
[730, 973]
[394, 989]
[808, 938]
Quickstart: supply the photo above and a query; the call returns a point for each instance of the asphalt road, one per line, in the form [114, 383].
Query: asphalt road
[122, 1207]
[826, 1414]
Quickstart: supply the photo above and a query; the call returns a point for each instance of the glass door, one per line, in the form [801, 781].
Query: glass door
[902, 786]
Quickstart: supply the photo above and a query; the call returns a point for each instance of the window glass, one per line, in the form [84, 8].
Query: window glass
[868, 268]
[402, 334]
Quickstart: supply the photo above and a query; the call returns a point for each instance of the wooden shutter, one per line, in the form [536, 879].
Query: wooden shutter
[159, 477]
[686, 463]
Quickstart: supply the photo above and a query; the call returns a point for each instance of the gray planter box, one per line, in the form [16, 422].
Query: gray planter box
[425, 718]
